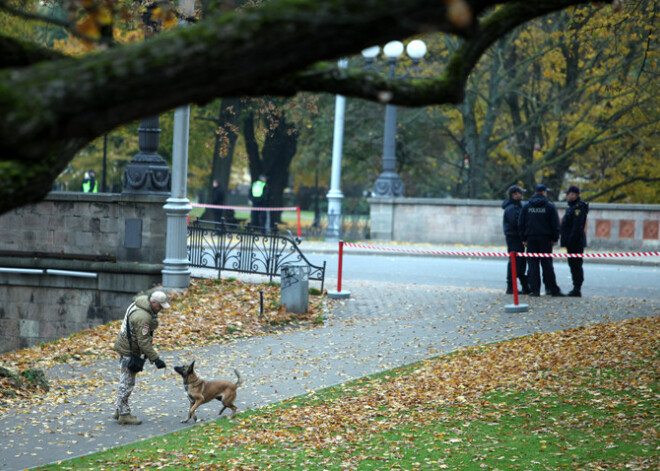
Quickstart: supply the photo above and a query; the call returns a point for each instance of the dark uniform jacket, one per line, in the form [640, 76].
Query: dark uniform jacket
[143, 323]
[572, 225]
[539, 218]
[511, 209]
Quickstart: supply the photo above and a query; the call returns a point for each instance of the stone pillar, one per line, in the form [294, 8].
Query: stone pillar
[381, 217]
[176, 271]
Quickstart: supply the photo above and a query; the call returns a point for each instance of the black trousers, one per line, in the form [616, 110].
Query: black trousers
[575, 264]
[541, 244]
[514, 244]
[259, 218]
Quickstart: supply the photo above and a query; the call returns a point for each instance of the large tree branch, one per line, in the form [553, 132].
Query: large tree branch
[49, 111]
[16, 53]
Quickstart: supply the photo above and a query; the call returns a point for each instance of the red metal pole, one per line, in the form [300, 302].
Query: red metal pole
[341, 257]
[298, 211]
[514, 278]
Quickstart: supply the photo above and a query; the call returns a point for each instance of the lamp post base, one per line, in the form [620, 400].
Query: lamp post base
[333, 231]
[516, 308]
[339, 294]
[388, 185]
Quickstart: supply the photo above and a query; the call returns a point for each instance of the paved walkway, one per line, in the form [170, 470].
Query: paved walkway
[382, 325]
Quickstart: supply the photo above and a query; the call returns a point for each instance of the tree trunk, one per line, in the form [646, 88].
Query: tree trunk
[278, 151]
[276, 155]
[225, 141]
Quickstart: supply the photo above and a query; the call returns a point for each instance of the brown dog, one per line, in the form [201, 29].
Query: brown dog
[200, 392]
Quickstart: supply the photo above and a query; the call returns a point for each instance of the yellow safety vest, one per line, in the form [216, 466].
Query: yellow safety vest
[86, 187]
[258, 189]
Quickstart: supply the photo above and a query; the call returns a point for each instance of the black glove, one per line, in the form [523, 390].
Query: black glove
[159, 363]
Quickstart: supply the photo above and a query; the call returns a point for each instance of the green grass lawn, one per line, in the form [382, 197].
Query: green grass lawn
[583, 398]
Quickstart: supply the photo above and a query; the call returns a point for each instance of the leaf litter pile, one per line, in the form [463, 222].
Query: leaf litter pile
[209, 312]
[583, 398]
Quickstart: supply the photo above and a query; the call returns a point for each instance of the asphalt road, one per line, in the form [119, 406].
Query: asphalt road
[601, 279]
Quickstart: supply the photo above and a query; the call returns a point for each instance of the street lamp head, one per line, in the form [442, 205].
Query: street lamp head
[416, 49]
[371, 52]
[393, 49]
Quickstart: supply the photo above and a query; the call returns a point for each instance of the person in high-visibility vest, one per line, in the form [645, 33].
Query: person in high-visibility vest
[89, 183]
[259, 195]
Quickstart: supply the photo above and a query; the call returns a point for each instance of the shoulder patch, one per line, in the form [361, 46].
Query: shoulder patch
[145, 329]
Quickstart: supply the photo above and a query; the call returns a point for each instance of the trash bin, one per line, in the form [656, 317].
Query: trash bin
[294, 291]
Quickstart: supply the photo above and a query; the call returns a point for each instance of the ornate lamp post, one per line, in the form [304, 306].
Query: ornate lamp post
[147, 172]
[389, 184]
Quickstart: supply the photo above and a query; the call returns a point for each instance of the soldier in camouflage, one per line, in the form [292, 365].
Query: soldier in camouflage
[142, 316]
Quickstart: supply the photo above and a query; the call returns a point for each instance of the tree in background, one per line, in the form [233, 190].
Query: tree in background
[567, 98]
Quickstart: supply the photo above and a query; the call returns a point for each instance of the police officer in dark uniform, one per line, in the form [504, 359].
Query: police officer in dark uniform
[512, 206]
[539, 229]
[573, 236]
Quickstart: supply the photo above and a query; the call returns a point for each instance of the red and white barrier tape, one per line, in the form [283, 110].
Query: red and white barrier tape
[504, 254]
[243, 208]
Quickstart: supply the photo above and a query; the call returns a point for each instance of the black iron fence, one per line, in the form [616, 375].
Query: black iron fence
[227, 247]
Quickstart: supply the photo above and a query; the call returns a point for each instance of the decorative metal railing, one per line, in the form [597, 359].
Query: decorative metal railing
[228, 247]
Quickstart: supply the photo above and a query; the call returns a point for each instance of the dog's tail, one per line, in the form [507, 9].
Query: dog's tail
[240, 380]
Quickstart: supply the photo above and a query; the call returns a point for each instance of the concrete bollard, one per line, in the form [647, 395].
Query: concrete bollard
[294, 290]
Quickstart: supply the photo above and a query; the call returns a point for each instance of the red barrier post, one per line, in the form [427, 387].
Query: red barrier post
[341, 257]
[514, 278]
[298, 212]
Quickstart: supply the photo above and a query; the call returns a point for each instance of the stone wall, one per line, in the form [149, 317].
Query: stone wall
[88, 225]
[478, 222]
[75, 260]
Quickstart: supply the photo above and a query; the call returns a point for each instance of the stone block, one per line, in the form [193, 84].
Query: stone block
[99, 210]
[603, 229]
[84, 240]
[9, 328]
[109, 225]
[29, 328]
[626, 229]
[10, 338]
[43, 208]
[64, 207]
[651, 230]
[74, 223]
[65, 241]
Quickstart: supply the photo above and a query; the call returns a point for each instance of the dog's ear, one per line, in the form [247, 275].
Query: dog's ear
[192, 365]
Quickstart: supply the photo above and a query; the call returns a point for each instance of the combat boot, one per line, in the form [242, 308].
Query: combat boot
[575, 293]
[525, 285]
[128, 419]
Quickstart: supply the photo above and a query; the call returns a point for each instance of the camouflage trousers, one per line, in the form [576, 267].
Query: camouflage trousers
[126, 384]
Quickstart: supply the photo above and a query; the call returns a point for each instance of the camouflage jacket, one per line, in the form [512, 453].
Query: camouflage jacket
[143, 324]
